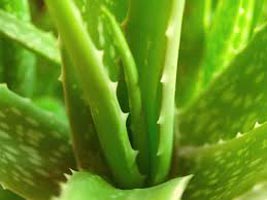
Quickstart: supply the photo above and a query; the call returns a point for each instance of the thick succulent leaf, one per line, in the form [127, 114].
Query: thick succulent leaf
[145, 30]
[233, 102]
[99, 93]
[18, 63]
[97, 28]
[231, 28]
[35, 149]
[29, 36]
[153, 48]
[137, 120]
[84, 186]
[192, 42]
[228, 170]
[86, 144]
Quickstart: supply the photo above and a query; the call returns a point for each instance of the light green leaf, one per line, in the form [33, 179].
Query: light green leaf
[231, 29]
[86, 144]
[99, 93]
[84, 186]
[34, 146]
[228, 170]
[192, 41]
[154, 47]
[137, 120]
[234, 102]
[29, 36]
[18, 64]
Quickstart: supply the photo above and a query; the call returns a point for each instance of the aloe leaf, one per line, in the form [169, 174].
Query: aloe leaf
[96, 27]
[231, 29]
[86, 144]
[99, 92]
[192, 41]
[29, 36]
[218, 169]
[236, 99]
[18, 63]
[83, 185]
[35, 150]
[140, 138]
[166, 120]
[150, 46]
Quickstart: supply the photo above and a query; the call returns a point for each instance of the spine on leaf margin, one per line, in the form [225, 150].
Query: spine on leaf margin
[99, 92]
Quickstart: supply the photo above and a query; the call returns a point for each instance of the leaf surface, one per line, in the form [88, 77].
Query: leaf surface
[83, 185]
[234, 102]
[227, 170]
[29, 36]
[34, 147]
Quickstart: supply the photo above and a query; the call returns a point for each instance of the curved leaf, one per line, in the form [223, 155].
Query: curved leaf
[99, 93]
[226, 170]
[29, 36]
[83, 186]
[233, 102]
[34, 146]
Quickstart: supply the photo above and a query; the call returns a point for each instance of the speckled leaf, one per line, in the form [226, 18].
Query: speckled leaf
[84, 186]
[29, 36]
[233, 102]
[230, 30]
[227, 170]
[92, 15]
[99, 93]
[34, 148]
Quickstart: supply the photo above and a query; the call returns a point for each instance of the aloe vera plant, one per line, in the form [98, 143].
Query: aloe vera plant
[164, 100]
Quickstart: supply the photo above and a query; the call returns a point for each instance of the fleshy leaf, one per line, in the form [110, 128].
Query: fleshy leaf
[137, 120]
[18, 64]
[86, 144]
[83, 186]
[35, 149]
[192, 41]
[150, 46]
[92, 15]
[231, 29]
[226, 170]
[29, 36]
[233, 102]
[99, 93]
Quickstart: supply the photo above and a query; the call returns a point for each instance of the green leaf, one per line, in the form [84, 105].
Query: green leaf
[29, 36]
[234, 102]
[92, 15]
[228, 170]
[99, 92]
[231, 28]
[35, 149]
[138, 125]
[18, 68]
[192, 41]
[83, 186]
[86, 144]
[153, 47]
